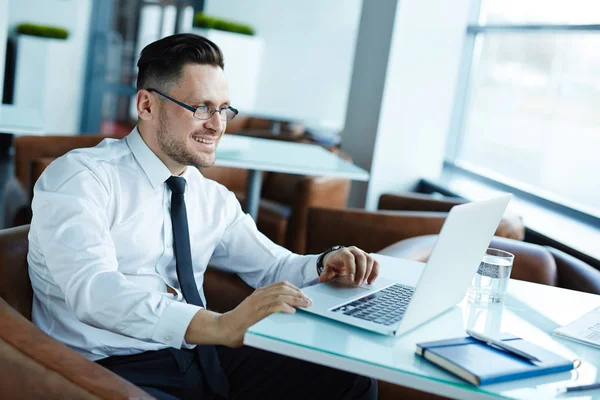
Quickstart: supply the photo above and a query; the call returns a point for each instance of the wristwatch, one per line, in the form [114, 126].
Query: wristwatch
[320, 266]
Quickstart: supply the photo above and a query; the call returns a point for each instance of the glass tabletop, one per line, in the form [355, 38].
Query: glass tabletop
[20, 120]
[288, 157]
[530, 311]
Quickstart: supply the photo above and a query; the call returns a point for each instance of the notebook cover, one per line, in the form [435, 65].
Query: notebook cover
[490, 365]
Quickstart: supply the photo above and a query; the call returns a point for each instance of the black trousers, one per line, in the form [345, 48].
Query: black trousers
[252, 373]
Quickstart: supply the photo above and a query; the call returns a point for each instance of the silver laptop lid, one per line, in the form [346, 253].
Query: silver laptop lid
[460, 246]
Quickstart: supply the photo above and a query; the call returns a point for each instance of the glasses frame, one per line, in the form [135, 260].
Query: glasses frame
[211, 110]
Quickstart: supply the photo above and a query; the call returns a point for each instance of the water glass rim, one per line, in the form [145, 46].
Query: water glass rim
[491, 251]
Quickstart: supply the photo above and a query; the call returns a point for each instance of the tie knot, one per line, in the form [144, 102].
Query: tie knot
[176, 184]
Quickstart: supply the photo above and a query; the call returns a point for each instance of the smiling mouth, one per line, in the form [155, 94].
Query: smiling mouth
[205, 141]
[205, 145]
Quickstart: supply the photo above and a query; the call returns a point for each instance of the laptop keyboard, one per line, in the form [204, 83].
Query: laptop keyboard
[386, 306]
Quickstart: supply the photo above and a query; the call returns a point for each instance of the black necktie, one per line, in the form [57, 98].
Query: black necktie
[217, 381]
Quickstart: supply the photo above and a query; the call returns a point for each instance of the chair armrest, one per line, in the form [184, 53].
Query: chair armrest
[371, 231]
[417, 202]
[313, 192]
[18, 335]
[575, 274]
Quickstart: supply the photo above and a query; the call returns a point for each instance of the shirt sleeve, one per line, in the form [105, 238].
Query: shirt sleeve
[243, 249]
[71, 224]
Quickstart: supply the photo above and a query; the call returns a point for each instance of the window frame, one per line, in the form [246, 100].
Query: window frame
[464, 85]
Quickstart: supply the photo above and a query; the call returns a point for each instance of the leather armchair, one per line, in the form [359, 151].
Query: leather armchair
[285, 200]
[412, 235]
[511, 226]
[32, 364]
[532, 263]
[32, 155]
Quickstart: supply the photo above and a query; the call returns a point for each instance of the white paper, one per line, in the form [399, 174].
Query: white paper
[585, 329]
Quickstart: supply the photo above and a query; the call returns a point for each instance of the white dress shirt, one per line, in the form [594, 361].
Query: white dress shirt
[101, 249]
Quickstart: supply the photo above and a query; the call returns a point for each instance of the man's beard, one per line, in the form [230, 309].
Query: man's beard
[177, 149]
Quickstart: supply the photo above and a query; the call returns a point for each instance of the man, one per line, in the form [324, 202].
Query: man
[122, 233]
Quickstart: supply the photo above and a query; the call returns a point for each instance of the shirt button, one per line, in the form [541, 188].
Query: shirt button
[168, 338]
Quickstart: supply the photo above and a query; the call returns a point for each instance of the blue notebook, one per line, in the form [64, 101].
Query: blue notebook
[481, 364]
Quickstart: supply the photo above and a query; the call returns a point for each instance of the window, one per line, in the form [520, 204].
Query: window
[530, 114]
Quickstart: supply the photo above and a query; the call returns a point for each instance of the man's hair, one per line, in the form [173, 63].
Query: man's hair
[161, 62]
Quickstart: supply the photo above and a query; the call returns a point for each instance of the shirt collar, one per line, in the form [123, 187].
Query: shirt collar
[156, 171]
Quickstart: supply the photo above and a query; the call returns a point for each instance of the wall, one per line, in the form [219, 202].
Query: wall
[73, 15]
[309, 48]
[408, 92]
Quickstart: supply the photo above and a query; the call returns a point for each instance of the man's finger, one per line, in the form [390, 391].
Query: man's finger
[327, 274]
[282, 287]
[349, 263]
[374, 272]
[370, 262]
[360, 262]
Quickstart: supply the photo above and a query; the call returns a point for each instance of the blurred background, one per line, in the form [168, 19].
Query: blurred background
[462, 98]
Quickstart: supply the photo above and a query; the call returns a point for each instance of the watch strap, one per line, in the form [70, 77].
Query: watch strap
[320, 266]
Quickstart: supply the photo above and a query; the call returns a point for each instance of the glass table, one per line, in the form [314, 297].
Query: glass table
[20, 120]
[258, 155]
[531, 311]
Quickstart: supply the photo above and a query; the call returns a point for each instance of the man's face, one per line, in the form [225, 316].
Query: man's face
[183, 138]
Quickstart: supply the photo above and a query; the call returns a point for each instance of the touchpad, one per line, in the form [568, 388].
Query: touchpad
[343, 289]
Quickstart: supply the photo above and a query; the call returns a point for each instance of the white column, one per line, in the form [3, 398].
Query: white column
[403, 85]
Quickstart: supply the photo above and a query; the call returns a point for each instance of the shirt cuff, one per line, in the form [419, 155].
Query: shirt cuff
[310, 275]
[173, 323]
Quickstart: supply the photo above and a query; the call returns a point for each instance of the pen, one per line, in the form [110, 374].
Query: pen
[579, 388]
[500, 345]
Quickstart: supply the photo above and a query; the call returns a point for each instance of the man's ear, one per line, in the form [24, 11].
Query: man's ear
[145, 104]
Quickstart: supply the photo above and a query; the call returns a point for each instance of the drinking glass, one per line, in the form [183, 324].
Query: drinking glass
[491, 280]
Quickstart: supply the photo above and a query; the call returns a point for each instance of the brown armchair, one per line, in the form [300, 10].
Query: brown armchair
[32, 155]
[511, 226]
[32, 364]
[412, 235]
[285, 200]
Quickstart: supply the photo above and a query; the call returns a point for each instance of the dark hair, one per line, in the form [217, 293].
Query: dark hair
[162, 61]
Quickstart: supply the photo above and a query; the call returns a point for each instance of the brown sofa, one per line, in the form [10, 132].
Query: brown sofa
[285, 198]
[372, 231]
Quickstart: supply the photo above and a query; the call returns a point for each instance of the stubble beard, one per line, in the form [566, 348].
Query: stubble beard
[176, 149]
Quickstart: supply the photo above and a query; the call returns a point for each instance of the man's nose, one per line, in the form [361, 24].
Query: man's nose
[215, 121]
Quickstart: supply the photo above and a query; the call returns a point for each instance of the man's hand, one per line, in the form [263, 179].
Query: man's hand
[351, 262]
[278, 297]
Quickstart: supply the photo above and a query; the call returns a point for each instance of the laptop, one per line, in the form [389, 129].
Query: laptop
[393, 308]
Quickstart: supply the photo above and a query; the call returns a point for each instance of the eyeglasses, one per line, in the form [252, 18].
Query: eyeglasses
[203, 112]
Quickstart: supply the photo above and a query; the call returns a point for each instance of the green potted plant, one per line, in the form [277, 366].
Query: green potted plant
[243, 51]
[46, 31]
[45, 74]
[204, 21]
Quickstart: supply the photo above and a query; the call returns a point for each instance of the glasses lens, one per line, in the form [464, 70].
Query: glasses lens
[207, 113]
[202, 113]
[228, 114]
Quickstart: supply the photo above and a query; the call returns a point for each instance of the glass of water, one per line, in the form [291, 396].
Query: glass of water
[491, 280]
